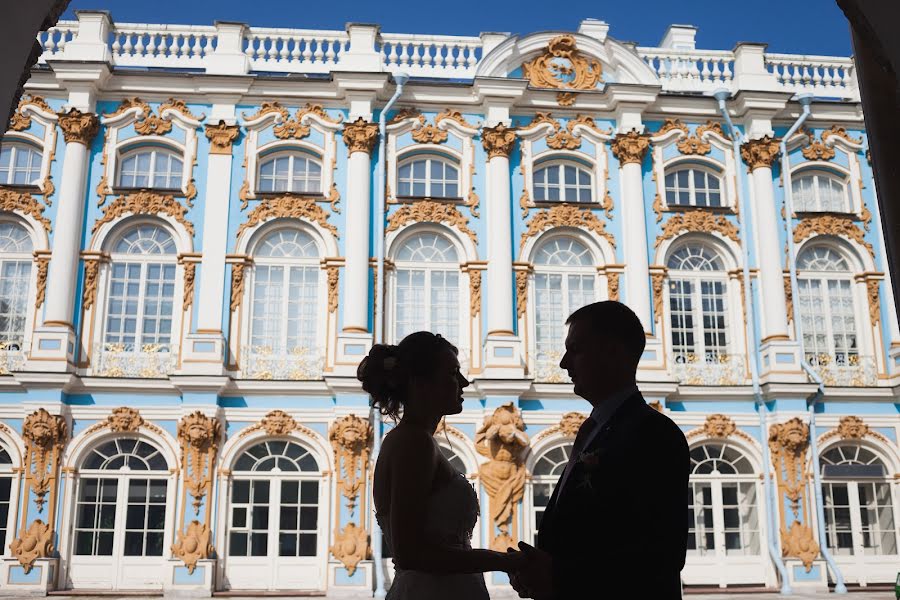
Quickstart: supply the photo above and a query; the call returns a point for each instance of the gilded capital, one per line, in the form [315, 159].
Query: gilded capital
[498, 140]
[630, 147]
[79, 127]
[760, 153]
[360, 136]
[221, 137]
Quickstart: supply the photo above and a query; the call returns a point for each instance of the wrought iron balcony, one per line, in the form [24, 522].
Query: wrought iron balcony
[844, 370]
[298, 364]
[130, 360]
[12, 357]
[708, 369]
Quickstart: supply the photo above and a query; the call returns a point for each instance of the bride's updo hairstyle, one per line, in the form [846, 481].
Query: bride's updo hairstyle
[386, 372]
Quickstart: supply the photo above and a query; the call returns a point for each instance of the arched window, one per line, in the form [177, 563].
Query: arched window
[546, 473]
[274, 499]
[20, 164]
[722, 503]
[16, 249]
[453, 458]
[827, 307]
[819, 191]
[859, 503]
[697, 304]
[140, 303]
[284, 315]
[426, 287]
[120, 505]
[7, 478]
[428, 177]
[563, 181]
[290, 172]
[150, 167]
[564, 280]
[693, 186]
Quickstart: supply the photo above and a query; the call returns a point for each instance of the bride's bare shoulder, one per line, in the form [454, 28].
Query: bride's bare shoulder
[400, 441]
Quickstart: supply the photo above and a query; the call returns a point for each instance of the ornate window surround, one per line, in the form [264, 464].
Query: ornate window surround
[542, 127]
[852, 174]
[420, 151]
[270, 115]
[854, 200]
[464, 159]
[128, 148]
[37, 281]
[726, 172]
[114, 146]
[36, 110]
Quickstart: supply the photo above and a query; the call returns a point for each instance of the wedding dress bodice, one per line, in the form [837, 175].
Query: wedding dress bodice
[450, 518]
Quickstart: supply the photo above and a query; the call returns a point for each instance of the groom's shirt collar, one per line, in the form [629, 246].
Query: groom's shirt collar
[603, 411]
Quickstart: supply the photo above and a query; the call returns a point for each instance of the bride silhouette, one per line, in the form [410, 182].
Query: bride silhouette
[426, 509]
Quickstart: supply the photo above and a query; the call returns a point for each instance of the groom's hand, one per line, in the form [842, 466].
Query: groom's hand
[516, 581]
[537, 577]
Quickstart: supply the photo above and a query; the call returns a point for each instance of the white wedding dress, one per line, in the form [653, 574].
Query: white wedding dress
[450, 518]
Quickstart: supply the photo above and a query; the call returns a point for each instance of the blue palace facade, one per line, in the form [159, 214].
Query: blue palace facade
[203, 229]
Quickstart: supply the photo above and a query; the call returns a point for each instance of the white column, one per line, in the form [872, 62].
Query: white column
[359, 137]
[499, 142]
[759, 155]
[630, 148]
[79, 130]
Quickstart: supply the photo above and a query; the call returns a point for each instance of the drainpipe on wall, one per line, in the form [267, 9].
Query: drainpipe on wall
[736, 139]
[805, 100]
[399, 79]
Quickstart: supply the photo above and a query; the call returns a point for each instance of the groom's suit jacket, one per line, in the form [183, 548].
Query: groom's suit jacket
[618, 527]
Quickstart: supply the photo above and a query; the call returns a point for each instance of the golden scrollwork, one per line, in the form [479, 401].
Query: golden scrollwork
[78, 127]
[129, 103]
[658, 207]
[351, 545]
[525, 202]
[570, 423]
[474, 292]
[427, 211]
[21, 121]
[144, 203]
[178, 105]
[693, 144]
[521, 293]
[658, 281]
[24, 204]
[44, 435]
[278, 423]
[294, 128]
[563, 140]
[672, 124]
[719, 426]
[798, 541]
[712, 127]
[762, 152]
[360, 136]
[562, 66]
[237, 285]
[789, 297]
[153, 125]
[193, 545]
[502, 440]
[866, 217]
[287, 207]
[190, 193]
[630, 147]
[498, 141]
[841, 132]
[838, 225]
[612, 286]
[221, 137]
[697, 220]
[89, 289]
[124, 419]
[566, 215]
[542, 117]
[333, 274]
[453, 115]
[404, 114]
[566, 98]
[351, 440]
[36, 542]
[607, 205]
[816, 149]
[199, 437]
[190, 270]
[872, 291]
[429, 134]
[43, 263]
[266, 108]
[586, 121]
[244, 195]
[291, 128]
[852, 428]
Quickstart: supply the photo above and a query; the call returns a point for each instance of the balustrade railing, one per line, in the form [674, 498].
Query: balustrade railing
[12, 357]
[844, 370]
[708, 369]
[440, 56]
[294, 50]
[826, 76]
[690, 70]
[54, 40]
[131, 360]
[179, 46]
[299, 364]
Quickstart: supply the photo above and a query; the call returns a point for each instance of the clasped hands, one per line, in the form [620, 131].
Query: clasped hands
[532, 572]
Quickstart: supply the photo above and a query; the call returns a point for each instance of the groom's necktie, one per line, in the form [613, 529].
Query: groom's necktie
[584, 433]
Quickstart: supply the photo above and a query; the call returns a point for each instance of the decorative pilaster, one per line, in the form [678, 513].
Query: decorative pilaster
[630, 148]
[360, 136]
[351, 441]
[79, 127]
[221, 137]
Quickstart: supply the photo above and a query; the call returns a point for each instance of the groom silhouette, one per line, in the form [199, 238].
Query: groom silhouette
[616, 524]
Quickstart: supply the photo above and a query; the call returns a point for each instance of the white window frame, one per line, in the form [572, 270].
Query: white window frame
[154, 151]
[708, 172]
[15, 147]
[291, 154]
[31, 290]
[11, 472]
[562, 186]
[428, 158]
[816, 175]
[551, 480]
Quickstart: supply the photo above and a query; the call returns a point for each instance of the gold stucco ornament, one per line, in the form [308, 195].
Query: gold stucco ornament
[351, 545]
[35, 543]
[562, 66]
[193, 545]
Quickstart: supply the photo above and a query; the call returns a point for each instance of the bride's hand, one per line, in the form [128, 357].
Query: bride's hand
[513, 561]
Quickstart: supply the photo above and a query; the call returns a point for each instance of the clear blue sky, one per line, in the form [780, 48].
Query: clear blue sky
[795, 26]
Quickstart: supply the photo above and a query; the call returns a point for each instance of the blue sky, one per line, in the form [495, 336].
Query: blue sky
[795, 26]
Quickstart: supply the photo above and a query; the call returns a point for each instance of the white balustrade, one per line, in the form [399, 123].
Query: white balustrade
[690, 70]
[299, 364]
[126, 360]
[54, 40]
[824, 76]
[440, 56]
[843, 370]
[140, 45]
[712, 369]
[12, 357]
[294, 50]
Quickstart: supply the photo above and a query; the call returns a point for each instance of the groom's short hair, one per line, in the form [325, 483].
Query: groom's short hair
[613, 320]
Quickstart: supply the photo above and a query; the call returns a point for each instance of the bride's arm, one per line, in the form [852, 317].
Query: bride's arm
[412, 475]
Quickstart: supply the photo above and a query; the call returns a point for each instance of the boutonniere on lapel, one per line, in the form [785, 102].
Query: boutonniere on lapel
[590, 462]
